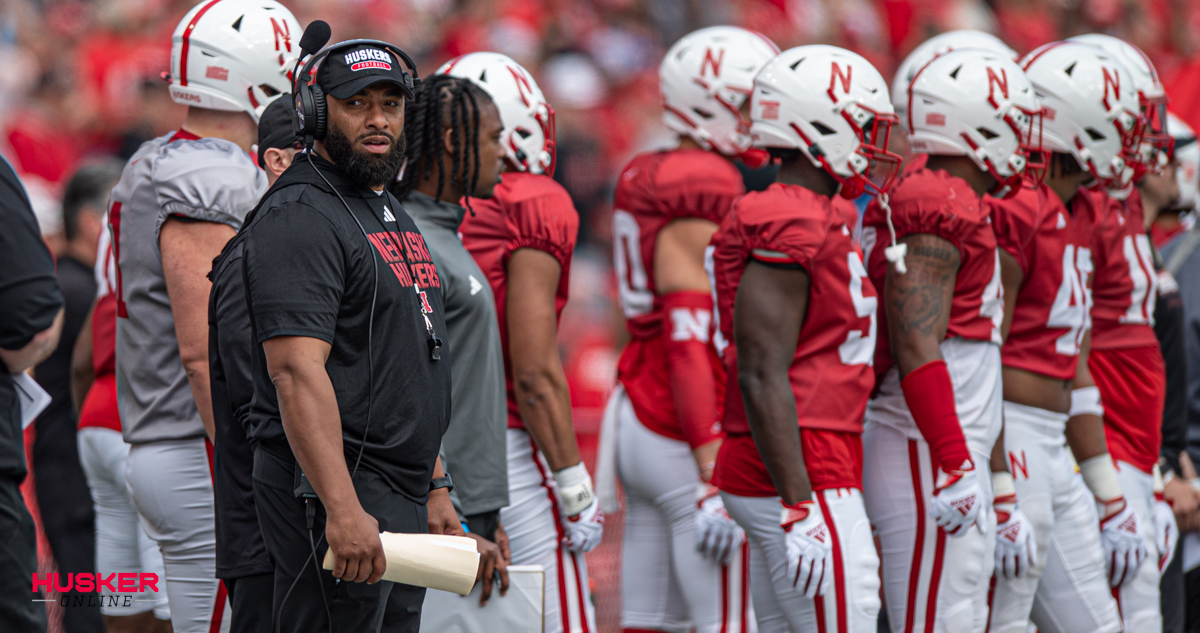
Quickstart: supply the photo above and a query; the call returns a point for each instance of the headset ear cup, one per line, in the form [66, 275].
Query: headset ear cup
[320, 107]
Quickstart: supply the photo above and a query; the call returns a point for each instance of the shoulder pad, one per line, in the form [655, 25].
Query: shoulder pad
[208, 179]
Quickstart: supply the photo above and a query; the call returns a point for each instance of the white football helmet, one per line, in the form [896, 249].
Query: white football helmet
[1089, 109]
[1155, 150]
[833, 106]
[234, 55]
[529, 134]
[706, 76]
[1187, 155]
[934, 46]
[978, 103]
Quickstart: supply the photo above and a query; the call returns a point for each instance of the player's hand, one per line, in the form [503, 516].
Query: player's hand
[1166, 533]
[1124, 549]
[357, 551]
[1016, 550]
[717, 535]
[1185, 500]
[491, 564]
[583, 530]
[808, 548]
[956, 500]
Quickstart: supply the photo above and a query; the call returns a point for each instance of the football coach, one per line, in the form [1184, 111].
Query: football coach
[351, 374]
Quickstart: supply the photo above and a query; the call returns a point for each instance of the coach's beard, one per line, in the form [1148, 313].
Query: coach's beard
[360, 166]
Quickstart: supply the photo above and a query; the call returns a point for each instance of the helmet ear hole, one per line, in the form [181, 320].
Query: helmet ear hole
[986, 133]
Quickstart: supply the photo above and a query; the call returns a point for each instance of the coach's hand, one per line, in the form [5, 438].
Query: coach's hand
[357, 551]
[491, 564]
[442, 517]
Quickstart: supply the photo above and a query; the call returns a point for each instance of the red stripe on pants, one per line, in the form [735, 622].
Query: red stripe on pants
[914, 573]
[935, 575]
[839, 577]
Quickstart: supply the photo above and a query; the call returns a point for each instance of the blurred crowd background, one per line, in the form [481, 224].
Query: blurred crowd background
[81, 81]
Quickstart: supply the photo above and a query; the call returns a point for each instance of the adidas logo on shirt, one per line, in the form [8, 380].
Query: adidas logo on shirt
[387, 215]
[1062, 222]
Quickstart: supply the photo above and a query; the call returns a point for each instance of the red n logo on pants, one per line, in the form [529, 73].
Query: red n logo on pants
[1016, 467]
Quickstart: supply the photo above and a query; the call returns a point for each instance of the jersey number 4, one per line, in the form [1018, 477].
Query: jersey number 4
[1073, 300]
[114, 218]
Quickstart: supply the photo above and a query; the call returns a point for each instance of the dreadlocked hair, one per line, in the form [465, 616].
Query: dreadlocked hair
[442, 102]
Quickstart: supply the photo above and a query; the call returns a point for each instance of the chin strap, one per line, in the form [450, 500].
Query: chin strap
[896, 252]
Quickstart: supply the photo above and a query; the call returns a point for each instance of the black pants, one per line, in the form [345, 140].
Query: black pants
[1171, 594]
[65, 503]
[484, 524]
[251, 599]
[18, 564]
[303, 591]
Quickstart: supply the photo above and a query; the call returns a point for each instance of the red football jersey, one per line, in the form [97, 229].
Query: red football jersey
[1124, 283]
[1053, 246]
[654, 190]
[831, 371]
[527, 211]
[936, 203]
[99, 407]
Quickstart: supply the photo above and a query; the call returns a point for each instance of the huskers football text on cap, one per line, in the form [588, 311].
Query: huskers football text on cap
[343, 75]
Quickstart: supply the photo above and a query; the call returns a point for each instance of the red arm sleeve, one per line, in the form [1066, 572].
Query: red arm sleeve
[930, 397]
[686, 332]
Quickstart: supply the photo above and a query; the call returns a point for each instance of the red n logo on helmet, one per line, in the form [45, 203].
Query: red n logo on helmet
[710, 61]
[1111, 80]
[522, 85]
[995, 81]
[283, 32]
[837, 76]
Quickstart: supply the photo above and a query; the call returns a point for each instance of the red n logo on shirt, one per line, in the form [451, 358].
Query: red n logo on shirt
[425, 307]
[836, 75]
[711, 62]
[995, 81]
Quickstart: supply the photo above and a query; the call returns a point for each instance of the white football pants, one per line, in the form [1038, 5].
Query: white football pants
[1138, 600]
[171, 486]
[121, 544]
[931, 581]
[850, 605]
[1067, 591]
[666, 585]
[535, 536]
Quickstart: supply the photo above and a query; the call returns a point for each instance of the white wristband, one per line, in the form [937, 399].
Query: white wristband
[574, 488]
[1002, 484]
[1158, 479]
[1101, 478]
[1086, 400]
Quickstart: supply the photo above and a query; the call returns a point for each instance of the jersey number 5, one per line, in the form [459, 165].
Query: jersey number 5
[859, 347]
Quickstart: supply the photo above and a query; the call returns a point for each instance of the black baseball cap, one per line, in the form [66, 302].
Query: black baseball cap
[344, 73]
[275, 127]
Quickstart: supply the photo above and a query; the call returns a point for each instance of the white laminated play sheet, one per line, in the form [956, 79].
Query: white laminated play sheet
[521, 611]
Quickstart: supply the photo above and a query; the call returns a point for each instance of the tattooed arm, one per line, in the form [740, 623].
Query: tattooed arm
[918, 302]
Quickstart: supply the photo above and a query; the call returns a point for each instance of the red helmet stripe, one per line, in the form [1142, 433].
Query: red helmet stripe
[187, 40]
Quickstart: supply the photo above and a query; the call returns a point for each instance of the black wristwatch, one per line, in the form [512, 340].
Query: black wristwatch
[441, 482]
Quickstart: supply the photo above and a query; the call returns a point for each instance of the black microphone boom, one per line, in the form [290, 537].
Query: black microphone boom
[315, 37]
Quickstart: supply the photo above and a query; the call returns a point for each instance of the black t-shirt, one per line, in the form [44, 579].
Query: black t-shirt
[29, 301]
[240, 547]
[77, 283]
[310, 272]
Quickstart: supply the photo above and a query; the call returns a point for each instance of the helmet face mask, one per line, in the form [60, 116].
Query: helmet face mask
[530, 129]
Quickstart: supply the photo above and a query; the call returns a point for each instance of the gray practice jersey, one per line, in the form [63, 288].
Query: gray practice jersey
[474, 445]
[210, 180]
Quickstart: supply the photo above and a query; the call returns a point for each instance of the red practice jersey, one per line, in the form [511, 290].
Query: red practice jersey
[527, 211]
[831, 372]
[936, 203]
[1053, 246]
[654, 190]
[99, 407]
[1124, 283]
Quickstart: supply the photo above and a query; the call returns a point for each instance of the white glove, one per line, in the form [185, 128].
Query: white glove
[717, 535]
[956, 500]
[808, 548]
[1016, 550]
[583, 521]
[1166, 533]
[1124, 549]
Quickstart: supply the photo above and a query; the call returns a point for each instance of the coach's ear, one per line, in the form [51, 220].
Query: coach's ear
[448, 141]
